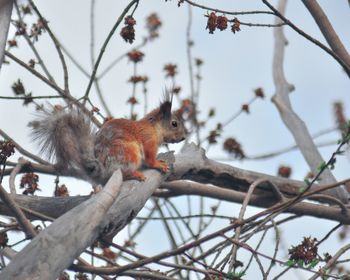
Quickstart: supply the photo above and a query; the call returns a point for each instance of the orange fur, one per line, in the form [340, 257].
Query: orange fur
[128, 144]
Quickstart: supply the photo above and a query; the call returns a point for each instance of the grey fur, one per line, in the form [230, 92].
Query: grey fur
[67, 137]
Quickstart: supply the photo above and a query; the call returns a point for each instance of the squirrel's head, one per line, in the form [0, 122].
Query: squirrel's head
[170, 126]
[173, 128]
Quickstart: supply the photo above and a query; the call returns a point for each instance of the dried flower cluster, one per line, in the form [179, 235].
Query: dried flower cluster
[128, 31]
[284, 171]
[305, 252]
[7, 148]
[31, 63]
[109, 254]
[12, 43]
[18, 89]
[170, 70]
[61, 190]
[153, 24]
[64, 276]
[259, 92]
[26, 9]
[37, 29]
[198, 61]
[176, 90]
[245, 108]
[21, 28]
[221, 23]
[186, 109]
[81, 276]
[232, 146]
[214, 134]
[29, 181]
[137, 79]
[3, 239]
[135, 56]
[132, 100]
[340, 116]
[236, 25]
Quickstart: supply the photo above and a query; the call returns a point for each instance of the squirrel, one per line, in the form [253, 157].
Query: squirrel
[67, 135]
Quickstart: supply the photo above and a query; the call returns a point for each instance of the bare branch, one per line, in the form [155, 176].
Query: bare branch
[57, 46]
[327, 30]
[227, 12]
[5, 18]
[308, 37]
[15, 171]
[21, 149]
[89, 223]
[293, 122]
[10, 202]
[331, 262]
[94, 71]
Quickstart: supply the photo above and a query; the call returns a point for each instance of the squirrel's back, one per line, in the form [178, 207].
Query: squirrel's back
[68, 136]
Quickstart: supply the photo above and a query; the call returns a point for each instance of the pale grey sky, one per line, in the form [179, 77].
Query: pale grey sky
[234, 64]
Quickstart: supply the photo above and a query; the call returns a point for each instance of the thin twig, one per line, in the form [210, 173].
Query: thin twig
[331, 262]
[261, 24]
[32, 46]
[277, 242]
[120, 58]
[240, 217]
[21, 218]
[36, 73]
[57, 46]
[194, 100]
[163, 263]
[31, 97]
[227, 12]
[22, 150]
[99, 58]
[308, 37]
[20, 164]
[328, 234]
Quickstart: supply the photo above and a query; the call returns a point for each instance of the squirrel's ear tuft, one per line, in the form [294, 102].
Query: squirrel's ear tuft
[165, 106]
[165, 110]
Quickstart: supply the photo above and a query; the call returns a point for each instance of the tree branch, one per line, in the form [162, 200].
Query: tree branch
[5, 18]
[293, 122]
[327, 30]
[89, 222]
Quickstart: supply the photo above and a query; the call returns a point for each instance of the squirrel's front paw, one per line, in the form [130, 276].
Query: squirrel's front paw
[162, 166]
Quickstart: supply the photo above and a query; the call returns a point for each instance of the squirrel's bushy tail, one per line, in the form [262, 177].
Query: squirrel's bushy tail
[67, 136]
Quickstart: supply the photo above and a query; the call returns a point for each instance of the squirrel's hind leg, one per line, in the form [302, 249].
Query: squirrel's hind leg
[129, 157]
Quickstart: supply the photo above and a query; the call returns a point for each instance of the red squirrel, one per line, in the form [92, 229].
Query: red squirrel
[68, 136]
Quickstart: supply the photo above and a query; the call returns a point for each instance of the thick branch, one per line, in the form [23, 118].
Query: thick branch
[296, 125]
[327, 30]
[9, 202]
[82, 224]
[231, 185]
[5, 18]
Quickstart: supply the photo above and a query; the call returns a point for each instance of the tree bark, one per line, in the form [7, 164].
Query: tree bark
[327, 30]
[55, 248]
[216, 180]
[292, 121]
[5, 18]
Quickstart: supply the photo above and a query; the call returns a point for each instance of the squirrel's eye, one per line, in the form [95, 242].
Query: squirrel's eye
[174, 123]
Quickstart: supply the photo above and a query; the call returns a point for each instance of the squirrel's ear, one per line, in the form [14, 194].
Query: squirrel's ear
[165, 106]
[165, 110]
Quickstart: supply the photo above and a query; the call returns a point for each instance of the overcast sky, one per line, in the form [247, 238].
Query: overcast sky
[234, 65]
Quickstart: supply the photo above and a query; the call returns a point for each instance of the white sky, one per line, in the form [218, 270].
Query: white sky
[234, 64]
